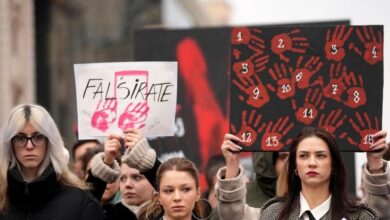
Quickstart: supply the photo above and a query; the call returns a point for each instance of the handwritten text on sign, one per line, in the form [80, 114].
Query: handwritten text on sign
[112, 97]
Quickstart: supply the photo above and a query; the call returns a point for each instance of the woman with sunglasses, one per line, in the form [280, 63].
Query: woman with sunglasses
[35, 181]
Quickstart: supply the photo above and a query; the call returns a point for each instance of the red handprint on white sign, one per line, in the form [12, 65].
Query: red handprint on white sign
[104, 115]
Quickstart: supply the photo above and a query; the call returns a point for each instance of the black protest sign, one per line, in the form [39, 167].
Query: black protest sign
[285, 78]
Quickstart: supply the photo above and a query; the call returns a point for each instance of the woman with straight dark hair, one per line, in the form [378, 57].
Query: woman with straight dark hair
[35, 181]
[314, 153]
[315, 182]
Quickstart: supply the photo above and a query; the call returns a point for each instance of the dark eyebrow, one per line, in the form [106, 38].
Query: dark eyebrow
[321, 151]
[306, 152]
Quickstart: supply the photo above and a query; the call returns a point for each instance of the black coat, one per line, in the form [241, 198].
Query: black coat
[46, 199]
[120, 212]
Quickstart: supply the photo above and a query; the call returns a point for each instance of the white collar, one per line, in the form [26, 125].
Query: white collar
[317, 212]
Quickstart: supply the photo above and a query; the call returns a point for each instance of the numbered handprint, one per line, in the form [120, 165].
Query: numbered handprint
[134, 116]
[285, 86]
[256, 93]
[355, 90]
[104, 115]
[334, 46]
[366, 131]
[373, 45]
[249, 37]
[249, 128]
[335, 87]
[309, 111]
[290, 41]
[249, 67]
[333, 121]
[302, 74]
[274, 134]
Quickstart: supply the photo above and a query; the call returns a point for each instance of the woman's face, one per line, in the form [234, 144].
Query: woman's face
[135, 188]
[178, 194]
[111, 189]
[314, 162]
[30, 150]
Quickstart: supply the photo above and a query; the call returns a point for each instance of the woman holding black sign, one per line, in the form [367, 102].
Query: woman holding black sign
[315, 178]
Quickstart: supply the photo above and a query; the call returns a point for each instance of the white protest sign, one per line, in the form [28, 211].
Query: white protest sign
[112, 97]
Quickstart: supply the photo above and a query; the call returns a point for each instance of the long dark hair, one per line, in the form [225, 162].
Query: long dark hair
[340, 205]
[154, 210]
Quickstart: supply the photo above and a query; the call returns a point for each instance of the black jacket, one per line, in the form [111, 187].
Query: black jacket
[120, 212]
[46, 199]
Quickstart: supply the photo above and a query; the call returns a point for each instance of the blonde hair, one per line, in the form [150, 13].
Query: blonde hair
[281, 183]
[41, 120]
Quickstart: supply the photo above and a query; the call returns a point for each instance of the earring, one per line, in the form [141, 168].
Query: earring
[207, 207]
[296, 172]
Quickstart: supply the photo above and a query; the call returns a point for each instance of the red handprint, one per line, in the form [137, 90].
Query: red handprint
[334, 47]
[105, 114]
[336, 87]
[302, 74]
[365, 130]
[333, 121]
[289, 42]
[256, 92]
[249, 128]
[249, 67]
[273, 135]
[373, 46]
[133, 117]
[248, 37]
[309, 111]
[286, 87]
[355, 91]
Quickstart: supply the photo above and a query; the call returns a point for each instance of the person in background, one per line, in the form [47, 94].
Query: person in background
[35, 181]
[135, 187]
[213, 165]
[78, 150]
[111, 194]
[267, 166]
